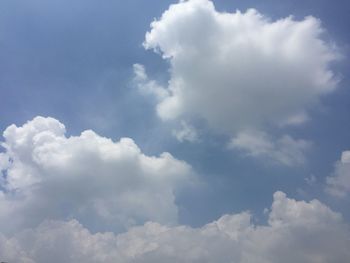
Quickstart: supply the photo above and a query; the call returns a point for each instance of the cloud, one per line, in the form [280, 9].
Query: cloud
[147, 86]
[113, 185]
[297, 231]
[240, 71]
[186, 133]
[285, 150]
[338, 184]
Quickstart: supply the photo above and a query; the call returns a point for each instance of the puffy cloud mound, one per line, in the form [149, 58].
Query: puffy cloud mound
[297, 231]
[46, 175]
[339, 183]
[239, 71]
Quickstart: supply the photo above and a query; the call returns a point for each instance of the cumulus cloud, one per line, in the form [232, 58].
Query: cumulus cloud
[240, 71]
[338, 184]
[297, 231]
[102, 183]
[285, 150]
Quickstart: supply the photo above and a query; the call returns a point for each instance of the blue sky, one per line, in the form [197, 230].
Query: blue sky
[73, 61]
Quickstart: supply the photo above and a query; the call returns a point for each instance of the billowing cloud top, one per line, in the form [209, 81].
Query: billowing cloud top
[88, 177]
[240, 70]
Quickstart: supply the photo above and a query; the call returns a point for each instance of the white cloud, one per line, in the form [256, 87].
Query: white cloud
[297, 231]
[339, 183]
[240, 71]
[285, 150]
[47, 175]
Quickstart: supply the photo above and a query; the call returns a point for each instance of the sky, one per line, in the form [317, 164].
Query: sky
[166, 131]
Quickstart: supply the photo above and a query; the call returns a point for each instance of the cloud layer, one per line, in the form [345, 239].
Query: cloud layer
[239, 71]
[104, 184]
[297, 231]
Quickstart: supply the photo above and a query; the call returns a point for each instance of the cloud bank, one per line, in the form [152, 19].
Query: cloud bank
[113, 185]
[297, 231]
[239, 71]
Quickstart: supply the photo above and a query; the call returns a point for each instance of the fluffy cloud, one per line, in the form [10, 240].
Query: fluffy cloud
[239, 71]
[339, 183]
[46, 175]
[285, 150]
[297, 231]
